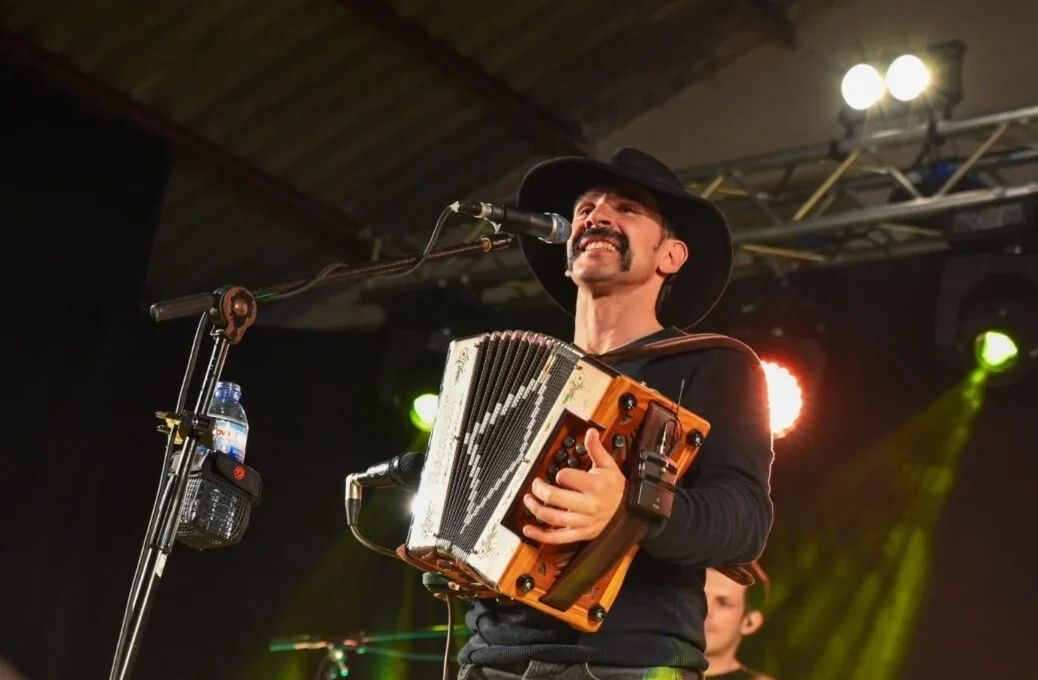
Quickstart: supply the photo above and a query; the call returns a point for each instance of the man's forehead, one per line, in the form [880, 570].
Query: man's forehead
[722, 585]
[621, 189]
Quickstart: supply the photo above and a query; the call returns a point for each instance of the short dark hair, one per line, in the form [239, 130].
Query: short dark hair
[758, 595]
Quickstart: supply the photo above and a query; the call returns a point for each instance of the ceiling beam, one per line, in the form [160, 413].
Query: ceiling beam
[546, 131]
[328, 222]
[777, 19]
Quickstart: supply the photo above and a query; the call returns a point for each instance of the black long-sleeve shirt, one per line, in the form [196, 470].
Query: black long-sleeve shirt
[722, 514]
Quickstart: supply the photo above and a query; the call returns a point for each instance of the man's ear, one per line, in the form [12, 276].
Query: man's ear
[751, 622]
[673, 254]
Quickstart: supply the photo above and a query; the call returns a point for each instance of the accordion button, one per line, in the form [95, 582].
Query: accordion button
[524, 583]
[553, 470]
[573, 462]
[618, 441]
[561, 456]
[628, 401]
[568, 442]
[581, 451]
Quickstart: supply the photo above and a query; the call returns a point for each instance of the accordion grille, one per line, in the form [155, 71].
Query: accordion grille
[516, 379]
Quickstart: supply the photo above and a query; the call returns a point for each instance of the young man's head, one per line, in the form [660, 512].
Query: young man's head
[733, 612]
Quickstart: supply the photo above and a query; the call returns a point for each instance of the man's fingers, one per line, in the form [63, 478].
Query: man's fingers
[563, 498]
[600, 458]
[557, 536]
[556, 517]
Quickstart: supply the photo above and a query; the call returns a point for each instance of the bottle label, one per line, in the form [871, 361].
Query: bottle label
[230, 437]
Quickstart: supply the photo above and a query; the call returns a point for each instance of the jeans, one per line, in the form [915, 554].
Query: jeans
[539, 670]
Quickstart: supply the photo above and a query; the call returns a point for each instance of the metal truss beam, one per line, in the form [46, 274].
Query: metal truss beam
[871, 191]
[845, 213]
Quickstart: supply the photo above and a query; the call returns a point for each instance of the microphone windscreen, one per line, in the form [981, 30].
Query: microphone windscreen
[218, 502]
[408, 469]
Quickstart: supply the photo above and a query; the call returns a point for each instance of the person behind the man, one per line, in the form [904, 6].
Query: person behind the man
[645, 260]
[734, 611]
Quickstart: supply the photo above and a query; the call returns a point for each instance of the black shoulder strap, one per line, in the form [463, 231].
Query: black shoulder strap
[684, 343]
[689, 343]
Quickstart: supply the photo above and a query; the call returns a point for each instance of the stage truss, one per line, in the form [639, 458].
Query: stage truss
[853, 200]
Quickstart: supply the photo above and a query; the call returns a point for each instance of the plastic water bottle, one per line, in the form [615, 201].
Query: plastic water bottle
[230, 426]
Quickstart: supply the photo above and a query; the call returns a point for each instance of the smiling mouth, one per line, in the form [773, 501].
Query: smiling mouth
[598, 244]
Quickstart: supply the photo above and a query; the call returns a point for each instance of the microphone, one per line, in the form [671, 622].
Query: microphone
[404, 471]
[220, 496]
[548, 227]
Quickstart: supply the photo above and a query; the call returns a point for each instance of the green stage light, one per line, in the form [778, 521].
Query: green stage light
[423, 411]
[996, 352]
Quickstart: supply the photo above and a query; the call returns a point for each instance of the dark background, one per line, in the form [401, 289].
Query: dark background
[85, 370]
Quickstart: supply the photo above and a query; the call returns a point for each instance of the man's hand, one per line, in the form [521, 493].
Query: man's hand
[582, 503]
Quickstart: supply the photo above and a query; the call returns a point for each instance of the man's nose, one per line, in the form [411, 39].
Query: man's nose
[600, 216]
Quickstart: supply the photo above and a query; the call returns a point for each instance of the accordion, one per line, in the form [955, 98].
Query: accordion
[514, 406]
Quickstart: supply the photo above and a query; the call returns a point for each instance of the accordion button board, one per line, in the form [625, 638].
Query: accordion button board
[514, 407]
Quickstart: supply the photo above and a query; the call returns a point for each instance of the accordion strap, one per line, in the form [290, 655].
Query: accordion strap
[686, 343]
[689, 342]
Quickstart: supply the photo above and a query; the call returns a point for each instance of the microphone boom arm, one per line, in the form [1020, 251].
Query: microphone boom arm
[201, 303]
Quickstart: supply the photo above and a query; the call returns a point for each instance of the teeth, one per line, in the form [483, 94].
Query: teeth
[601, 245]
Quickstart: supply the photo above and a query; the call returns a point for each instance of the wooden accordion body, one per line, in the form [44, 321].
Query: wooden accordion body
[514, 406]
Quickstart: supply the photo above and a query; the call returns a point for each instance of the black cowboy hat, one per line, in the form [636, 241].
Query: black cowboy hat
[554, 186]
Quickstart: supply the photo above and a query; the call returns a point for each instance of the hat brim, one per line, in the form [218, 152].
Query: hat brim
[554, 185]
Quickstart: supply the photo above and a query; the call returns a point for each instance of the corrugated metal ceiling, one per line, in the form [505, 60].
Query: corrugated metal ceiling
[320, 94]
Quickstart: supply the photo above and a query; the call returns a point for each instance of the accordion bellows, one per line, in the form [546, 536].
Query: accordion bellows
[513, 406]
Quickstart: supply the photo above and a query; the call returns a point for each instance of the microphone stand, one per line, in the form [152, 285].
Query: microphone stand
[225, 314]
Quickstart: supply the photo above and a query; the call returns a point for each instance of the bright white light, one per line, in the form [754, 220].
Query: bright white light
[862, 87]
[785, 396]
[907, 77]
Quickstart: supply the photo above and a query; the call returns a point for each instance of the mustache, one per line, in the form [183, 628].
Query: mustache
[601, 232]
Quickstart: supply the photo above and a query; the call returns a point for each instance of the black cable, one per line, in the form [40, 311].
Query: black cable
[433, 240]
[372, 546]
[450, 638]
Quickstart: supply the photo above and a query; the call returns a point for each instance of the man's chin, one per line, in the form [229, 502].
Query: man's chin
[595, 272]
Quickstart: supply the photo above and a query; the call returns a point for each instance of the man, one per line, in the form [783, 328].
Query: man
[645, 259]
[734, 611]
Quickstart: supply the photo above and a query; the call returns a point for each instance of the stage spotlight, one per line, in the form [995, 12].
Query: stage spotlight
[423, 411]
[907, 78]
[410, 374]
[996, 352]
[785, 396]
[987, 314]
[862, 87]
[927, 82]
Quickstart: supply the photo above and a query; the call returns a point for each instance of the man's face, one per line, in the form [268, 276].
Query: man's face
[618, 239]
[727, 620]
